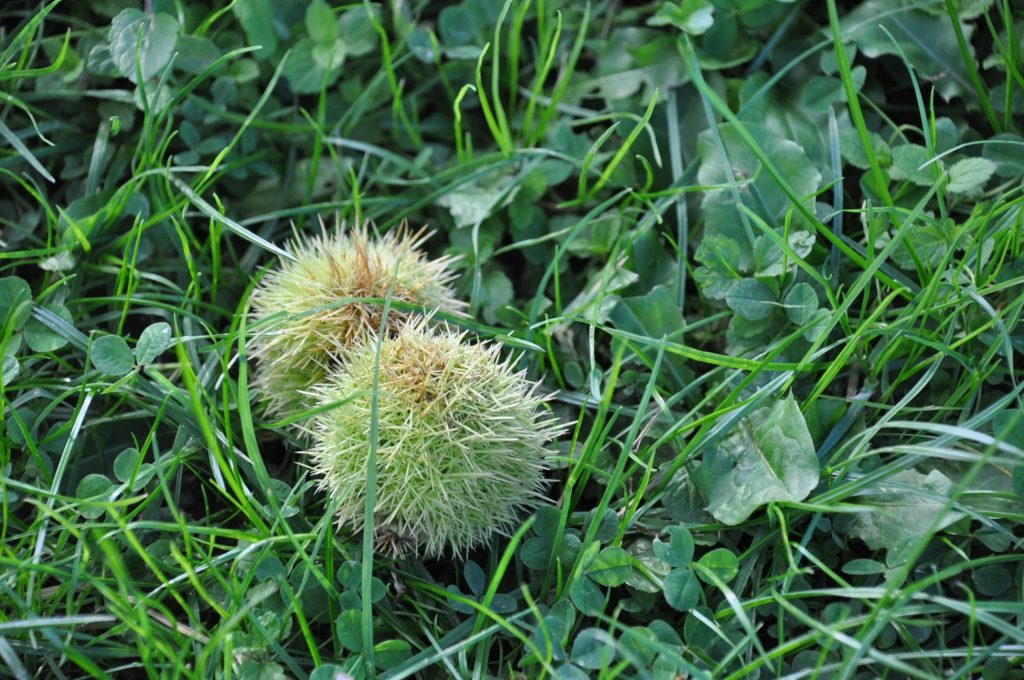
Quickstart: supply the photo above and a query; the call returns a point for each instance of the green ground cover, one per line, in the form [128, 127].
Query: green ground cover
[767, 256]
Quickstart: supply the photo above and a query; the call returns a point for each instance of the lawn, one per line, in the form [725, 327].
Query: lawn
[522, 339]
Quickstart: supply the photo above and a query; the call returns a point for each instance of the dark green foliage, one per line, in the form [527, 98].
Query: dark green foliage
[769, 255]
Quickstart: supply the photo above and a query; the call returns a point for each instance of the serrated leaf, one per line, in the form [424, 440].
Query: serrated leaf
[159, 35]
[767, 457]
[153, 341]
[751, 299]
[759, 191]
[111, 355]
[907, 160]
[969, 175]
[904, 508]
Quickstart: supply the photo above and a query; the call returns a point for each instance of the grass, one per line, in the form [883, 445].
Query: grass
[779, 278]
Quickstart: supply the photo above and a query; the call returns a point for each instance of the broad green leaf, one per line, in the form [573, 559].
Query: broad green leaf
[682, 589]
[257, 670]
[800, 303]
[9, 369]
[611, 567]
[863, 567]
[195, 54]
[15, 302]
[476, 579]
[471, 204]
[927, 40]
[40, 337]
[497, 291]
[969, 175]
[771, 260]
[1007, 152]
[391, 653]
[758, 191]
[751, 299]
[722, 562]
[308, 64]
[93, 487]
[257, 20]
[159, 35]
[458, 26]
[642, 551]
[690, 16]
[678, 551]
[818, 324]
[587, 596]
[768, 456]
[593, 648]
[721, 258]
[906, 161]
[655, 315]
[349, 630]
[321, 23]
[153, 341]
[111, 355]
[357, 30]
[903, 508]
[329, 671]
[128, 463]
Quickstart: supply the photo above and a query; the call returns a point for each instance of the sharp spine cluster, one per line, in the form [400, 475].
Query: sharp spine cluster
[308, 310]
[462, 438]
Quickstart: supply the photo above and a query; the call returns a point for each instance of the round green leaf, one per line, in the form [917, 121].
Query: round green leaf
[611, 567]
[329, 671]
[722, 562]
[457, 26]
[126, 463]
[155, 339]
[110, 354]
[678, 551]
[350, 632]
[751, 299]
[993, 580]
[863, 567]
[391, 653]
[800, 303]
[476, 579]
[970, 175]
[682, 589]
[40, 337]
[93, 487]
[587, 596]
[818, 324]
[320, 22]
[159, 34]
[593, 648]
[15, 301]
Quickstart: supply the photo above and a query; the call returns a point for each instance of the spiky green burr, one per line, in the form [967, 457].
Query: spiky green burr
[463, 441]
[306, 311]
